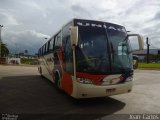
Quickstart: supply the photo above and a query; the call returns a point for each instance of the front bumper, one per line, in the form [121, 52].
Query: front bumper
[81, 90]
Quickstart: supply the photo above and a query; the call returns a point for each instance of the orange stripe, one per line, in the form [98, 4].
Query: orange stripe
[66, 82]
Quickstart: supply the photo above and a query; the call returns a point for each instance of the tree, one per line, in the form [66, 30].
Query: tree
[4, 50]
[156, 57]
[25, 51]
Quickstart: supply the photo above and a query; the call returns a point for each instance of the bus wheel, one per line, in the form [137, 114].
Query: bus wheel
[135, 66]
[40, 71]
[57, 81]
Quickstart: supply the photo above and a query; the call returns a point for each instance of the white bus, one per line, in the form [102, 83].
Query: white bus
[88, 58]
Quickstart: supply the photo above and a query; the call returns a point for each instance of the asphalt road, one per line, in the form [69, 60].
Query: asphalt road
[24, 93]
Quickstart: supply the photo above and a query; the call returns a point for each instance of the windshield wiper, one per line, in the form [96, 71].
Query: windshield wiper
[112, 51]
[108, 50]
[125, 39]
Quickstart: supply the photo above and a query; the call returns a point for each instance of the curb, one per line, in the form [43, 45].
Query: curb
[25, 65]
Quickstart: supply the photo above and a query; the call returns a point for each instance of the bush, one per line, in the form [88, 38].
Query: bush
[29, 61]
[149, 65]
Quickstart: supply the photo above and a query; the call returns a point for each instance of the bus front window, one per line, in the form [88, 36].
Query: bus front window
[103, 50]
[91, 52]
[121, 58]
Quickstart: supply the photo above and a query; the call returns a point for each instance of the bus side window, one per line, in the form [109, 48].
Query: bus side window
[43, 50]
[39, 52]
[48, 45]
[51, 44]
[67, 49]
[58, 40]
[46, 48]
[55, 45]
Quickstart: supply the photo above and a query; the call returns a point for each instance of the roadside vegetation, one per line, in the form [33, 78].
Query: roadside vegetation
[29, 61]
[4, 49]
[149, 65]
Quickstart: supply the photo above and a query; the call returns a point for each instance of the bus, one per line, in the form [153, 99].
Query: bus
[89, 58]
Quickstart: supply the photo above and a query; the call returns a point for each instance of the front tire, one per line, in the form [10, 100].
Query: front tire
[135, 66]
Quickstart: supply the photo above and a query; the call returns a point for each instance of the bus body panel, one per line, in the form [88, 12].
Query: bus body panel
[47, 65]
[67, 83]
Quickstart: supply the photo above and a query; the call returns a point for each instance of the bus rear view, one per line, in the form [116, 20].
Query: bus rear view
[97, 58]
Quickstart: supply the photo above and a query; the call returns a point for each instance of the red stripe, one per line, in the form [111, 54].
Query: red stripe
[96, 79]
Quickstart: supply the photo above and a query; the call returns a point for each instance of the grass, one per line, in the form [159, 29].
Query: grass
[149, 65]
[29, 61]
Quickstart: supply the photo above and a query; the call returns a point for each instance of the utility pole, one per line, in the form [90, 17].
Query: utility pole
[0, 40]
[147, 49]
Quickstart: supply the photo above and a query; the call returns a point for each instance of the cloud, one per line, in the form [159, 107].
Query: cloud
[80, 11]
[7, 18]
[24, 40]
[26, 22]
[157, 16]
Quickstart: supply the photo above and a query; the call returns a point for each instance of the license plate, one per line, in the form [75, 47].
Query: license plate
[110, 90]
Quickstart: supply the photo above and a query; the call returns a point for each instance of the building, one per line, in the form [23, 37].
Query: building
[22, 55]
[142, 54]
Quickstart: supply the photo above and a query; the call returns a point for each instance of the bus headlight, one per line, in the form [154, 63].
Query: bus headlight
[129, 78]
[84, 81]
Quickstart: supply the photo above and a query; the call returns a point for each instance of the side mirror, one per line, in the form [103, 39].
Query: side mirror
[74, 35]
[136, 42]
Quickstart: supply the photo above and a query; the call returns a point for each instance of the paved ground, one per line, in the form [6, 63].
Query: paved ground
[23, 92]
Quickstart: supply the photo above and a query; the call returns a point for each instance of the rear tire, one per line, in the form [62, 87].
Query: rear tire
[57, 81]
[40, 72]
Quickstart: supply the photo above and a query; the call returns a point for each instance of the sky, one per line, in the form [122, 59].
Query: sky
[28, 22]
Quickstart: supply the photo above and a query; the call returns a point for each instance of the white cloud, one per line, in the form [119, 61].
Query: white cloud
[34, 5]
[30, 20]
[22, 40]
[7, 18]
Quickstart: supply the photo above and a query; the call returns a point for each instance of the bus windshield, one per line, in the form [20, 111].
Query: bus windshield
[102, 50]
